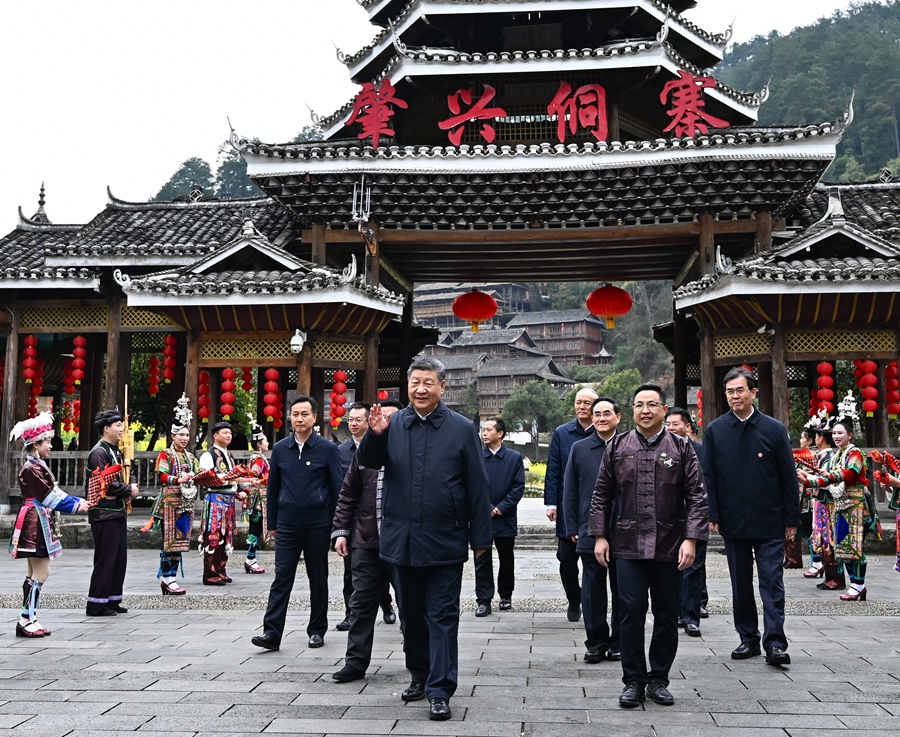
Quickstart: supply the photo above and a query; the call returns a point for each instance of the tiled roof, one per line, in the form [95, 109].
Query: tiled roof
[875, 207]
[22, 251]
[542, 366]
[489, 337]
[456, 361]
[551, 316]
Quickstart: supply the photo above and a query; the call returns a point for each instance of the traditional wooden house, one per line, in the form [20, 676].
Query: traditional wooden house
[572, 337]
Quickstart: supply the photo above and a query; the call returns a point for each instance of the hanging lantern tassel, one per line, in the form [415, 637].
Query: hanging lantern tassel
[609, 302]
[473, 307]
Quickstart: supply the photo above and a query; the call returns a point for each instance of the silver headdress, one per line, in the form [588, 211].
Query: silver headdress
[257, 432]
[183, 415]
[846, 410]
[820, 422]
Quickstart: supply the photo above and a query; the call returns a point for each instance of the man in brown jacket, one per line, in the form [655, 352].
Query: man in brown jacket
[648, 511]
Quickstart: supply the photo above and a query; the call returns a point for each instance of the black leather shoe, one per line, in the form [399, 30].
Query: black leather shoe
[744, 651]
[316, 640]
[660, 694]
[680, 622]
[777, 656]
[692, 629]
[415, 692]
[343, 626]
[595, 655]
[266, 642]
[573, 613]
[505, 605]
[346, 674]
[440, 710]
[119, 609]
[390, 616]
[632, 696]
[704, 613]
[614, 654]
[102, 613]
[483, 610]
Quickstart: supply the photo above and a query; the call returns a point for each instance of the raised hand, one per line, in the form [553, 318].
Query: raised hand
[378, 421]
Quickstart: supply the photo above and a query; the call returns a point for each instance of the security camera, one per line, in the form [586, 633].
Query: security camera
[297, 342]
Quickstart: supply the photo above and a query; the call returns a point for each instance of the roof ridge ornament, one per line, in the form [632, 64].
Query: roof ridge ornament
[349, 272]
[123, 280]
[250, 230]
[729, 32]
[341, 56]
[664, 31]
[724, 265]
[847, 119]
[835, 212]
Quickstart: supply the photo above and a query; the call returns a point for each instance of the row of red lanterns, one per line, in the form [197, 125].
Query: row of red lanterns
[273, 399]
[339, 391]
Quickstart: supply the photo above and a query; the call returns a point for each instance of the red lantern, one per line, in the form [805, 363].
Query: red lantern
[825, 382]
[827, 406]
[890, 371]
[869, 392]
[30, 363]
[825, 395]
[31, 341]
[270, 399]
[868, 367]
[203, 413]
[609, 302]
[271, 374]
[340, 400]
[339, 388]
[868, 380]
[203, 400]
[869, 407]
[893, 410]
[473, 307]
[270, 411]
[825, 368]
[226, 410]
[271, 387]
[891, 385]
[382, 395]
[247, 378]
[340, 375]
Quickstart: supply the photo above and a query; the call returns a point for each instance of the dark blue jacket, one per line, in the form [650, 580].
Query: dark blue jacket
[303, 487]
[506, 481]
[346, 451]
[578, 484]
[435, 492]
[698, 449]
[564, 438]
[750, 476]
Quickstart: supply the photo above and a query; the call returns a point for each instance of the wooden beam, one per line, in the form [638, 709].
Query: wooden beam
[317, 238]
[707, 245]
[370, 387]
[406, 323]
[708, 375]
[113, 338]
[764, 231]
[8, 418]
[192, 349]
[765, 394]
[304, 371]
[779, 377]
[680, 358]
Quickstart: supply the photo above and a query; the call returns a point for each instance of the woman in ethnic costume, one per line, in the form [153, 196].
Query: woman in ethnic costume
[852, 514]
[255, 506]
[174, 509]
[33, 536]
[793, 548]
[889, 482]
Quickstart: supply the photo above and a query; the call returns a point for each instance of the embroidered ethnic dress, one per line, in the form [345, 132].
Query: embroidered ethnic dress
[822, 514]
[175, 517]
[218, 523]
[255, 506]
[33, 535]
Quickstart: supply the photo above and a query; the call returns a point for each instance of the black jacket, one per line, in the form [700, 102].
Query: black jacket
[435, 492]
[303, 487]
[751, 477]
[356, 514]
[578, 485]
[564, 437]
[506, 482]
[113, 505]
[347, 451]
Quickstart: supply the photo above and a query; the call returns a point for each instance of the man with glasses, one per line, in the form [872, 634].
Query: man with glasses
[648, 511]
[564, 438]
[580, 478]
[753, 502]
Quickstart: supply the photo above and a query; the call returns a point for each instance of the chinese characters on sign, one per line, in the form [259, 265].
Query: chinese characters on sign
[372, 110]
[688, 115]
[581, 109]
[479, 111]
[585, 108]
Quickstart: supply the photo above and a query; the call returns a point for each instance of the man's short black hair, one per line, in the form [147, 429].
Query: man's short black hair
[359, 405]
[650, 388]
[391, 403]
[682, 413]
[499, 425]
[300, 398]
[610, 400]
[737, 373]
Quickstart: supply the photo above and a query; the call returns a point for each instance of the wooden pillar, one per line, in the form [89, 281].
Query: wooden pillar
[317, 392]
[406, 322]
[612, 117]
[192, 345]
[766, 389]
[123, 357]
[8, 418]
[91, 391]
[708, 375]
[319, 255]
[373, 257]
[304, 370]
[707, 243]
[680, 359]
[779, 377]
[113, 339]
[880, 425]
[370, 381]
[763, 231]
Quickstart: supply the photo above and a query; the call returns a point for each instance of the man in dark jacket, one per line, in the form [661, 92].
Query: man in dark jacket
[753, 502]
[355, 535]
[304, 481]
[648, 511]
[580, 479]
[435, 501]
[564, 438]
[506, 480]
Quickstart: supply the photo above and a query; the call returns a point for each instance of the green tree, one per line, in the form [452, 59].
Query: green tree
[569, 295]
[621, 387]
[231, 180]
[468, 402]
[308, 133]
[195, 172]
[535, 407]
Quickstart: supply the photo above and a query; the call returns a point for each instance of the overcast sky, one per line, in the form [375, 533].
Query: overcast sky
[119, 93]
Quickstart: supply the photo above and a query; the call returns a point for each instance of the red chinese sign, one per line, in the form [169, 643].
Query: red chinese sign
[586, 107]
[372, 110]
[479, 111]
[687, 113]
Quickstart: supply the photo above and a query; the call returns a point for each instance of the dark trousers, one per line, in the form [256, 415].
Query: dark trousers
[594, 603]
[110, 561]
[313, 545]
[428, 597]
[567, 555]
[347, 590]
[371, 576]
[506, 574]
[662, 581]
[769, 555]
[692, 586]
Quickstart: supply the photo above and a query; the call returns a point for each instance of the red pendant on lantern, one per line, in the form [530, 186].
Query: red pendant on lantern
[474, 307]
[609, 302]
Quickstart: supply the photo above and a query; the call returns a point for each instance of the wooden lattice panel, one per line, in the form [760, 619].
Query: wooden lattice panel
[135, 318]
[386, 375]
[148, 340]
[213, 350]
[34, 318]
[693, 372]
[841, 341]
[327, 350]
[737, 346]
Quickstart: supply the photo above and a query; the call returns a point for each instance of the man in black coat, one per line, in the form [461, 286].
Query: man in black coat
[580, 478]
[506, 479]
[435, 501]
[304, 481]
[753, 502]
